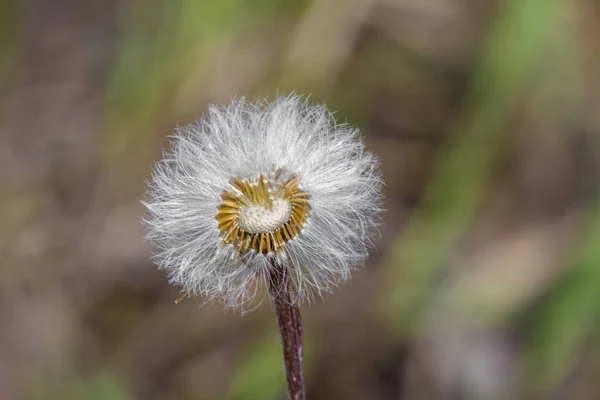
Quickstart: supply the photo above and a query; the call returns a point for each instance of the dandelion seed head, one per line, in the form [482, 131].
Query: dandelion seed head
[252, 185]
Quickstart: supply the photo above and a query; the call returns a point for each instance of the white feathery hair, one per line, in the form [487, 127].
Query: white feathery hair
[245, 140]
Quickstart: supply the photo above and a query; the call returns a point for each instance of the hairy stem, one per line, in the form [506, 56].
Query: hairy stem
[290, 329]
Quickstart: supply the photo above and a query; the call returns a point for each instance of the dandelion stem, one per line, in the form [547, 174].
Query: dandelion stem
[290, 329]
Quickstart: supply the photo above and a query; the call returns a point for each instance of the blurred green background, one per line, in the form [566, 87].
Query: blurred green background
[485, 283]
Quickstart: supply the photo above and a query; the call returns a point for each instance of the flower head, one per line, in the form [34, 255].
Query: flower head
[251, 186]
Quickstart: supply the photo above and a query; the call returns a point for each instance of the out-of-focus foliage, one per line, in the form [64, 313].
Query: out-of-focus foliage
[569, 318]
[11, 31]
[485, 281]
[513, 52]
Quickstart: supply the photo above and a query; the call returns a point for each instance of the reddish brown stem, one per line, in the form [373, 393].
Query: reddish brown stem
[290, 329]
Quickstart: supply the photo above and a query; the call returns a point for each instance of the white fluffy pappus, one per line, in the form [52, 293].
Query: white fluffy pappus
[253, 185]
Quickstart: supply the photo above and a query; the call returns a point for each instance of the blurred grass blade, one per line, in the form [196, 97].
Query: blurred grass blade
[512, 53]
[12, 29]
[261, 375]
[571, 316]
[160, 46]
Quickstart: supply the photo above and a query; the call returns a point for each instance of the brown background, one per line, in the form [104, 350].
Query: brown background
[485, 283]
